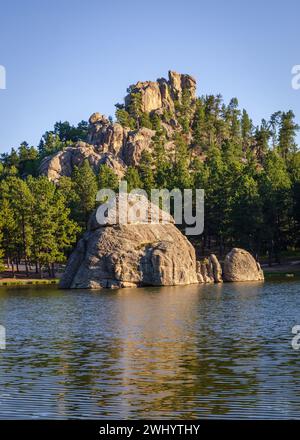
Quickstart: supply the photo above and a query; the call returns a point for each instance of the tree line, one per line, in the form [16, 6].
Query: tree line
[250, 174]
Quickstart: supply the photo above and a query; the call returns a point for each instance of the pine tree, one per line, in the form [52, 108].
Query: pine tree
[53, 231]
[107, 178]
[86, 187]
[2, 267]
[287, 134]
[275, 193]
[198, 126]
[146, 171]
[133, 179]
[262, 138]
[181, 175]
[246, 130]
[124, 118]
[162, 166]
[10, 233]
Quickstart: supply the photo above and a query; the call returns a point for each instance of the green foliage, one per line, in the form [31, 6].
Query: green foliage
[287, 133]
[250, 174]
[1, 244]
[124, 118]
[181, 173]
[85, 187]
[162, 166]
[35, 223]
[184, 110]
[133, 179]
[107, 178]
[146, 172]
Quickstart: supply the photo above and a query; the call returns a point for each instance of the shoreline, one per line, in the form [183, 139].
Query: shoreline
[6, 282]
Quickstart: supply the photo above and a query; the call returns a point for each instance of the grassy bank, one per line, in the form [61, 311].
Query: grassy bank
[25, 282]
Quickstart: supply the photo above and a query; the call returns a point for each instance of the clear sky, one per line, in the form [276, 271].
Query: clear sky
[65, 59]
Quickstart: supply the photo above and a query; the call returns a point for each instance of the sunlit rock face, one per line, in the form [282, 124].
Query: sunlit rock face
[239, 265]
[109, 142]
[139, 253]
[137, 244]
[63, 162]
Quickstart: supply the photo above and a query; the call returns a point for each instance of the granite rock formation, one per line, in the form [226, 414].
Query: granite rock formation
[239, 265]
[117, 146]
[114, 255]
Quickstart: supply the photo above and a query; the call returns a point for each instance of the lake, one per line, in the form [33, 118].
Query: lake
[203, 351]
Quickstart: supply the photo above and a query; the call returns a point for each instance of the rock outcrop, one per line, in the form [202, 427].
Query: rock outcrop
[109, 142]
[114, 255]
[239, 265]
[63, 162]
[139, 253]
[163, 93]
[209, 270]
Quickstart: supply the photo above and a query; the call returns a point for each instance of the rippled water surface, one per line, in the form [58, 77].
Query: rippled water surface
[179, 352]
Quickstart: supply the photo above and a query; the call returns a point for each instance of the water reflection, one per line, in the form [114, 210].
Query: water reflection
[178, 352]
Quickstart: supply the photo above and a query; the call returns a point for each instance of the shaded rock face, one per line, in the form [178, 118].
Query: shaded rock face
[136, 254]
[239, 265]
[119, 146]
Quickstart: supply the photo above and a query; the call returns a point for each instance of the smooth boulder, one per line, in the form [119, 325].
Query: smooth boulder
[114, 255]
[239, 265]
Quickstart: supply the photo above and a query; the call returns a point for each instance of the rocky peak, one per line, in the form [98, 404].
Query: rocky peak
[97, 118]
[162, 93]
[179, 82]
[119, 145]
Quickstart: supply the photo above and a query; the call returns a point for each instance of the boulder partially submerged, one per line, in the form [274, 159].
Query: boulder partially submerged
[139, 253]
[146, 250]
[239, 265]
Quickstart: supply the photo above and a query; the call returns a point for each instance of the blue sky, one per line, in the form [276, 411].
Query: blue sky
[66, 59]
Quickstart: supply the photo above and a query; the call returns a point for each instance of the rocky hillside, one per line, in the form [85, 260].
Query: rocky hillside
[148, 107]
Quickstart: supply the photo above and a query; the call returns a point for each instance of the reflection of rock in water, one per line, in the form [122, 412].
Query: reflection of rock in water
[169, 360]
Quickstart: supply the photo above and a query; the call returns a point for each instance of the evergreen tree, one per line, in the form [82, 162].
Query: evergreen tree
[86, 187]
[181, 175]
[162, 166]
[1, 248]
[19, 197]
[124, 118]
[246, 130]
[146, 171]
[10, 234]
[198, 126]
[107, 178]
[133, 179]
[53, 231]
[287, 134]
[275, 193]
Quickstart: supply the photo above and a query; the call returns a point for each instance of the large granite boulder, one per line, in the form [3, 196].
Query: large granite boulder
[114, 255]
[239, 265]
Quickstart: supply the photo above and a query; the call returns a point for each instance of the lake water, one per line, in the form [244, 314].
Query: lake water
[175, 352]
